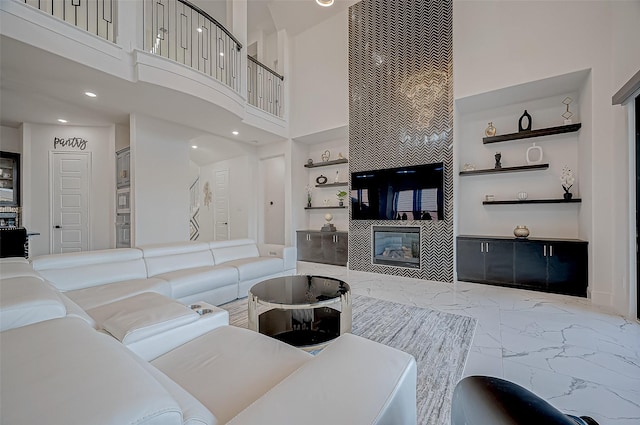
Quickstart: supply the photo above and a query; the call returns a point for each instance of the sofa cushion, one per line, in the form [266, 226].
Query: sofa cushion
[77, 270]
[141, 316]
[164, 258]
[287, 253]
[96, 296]
[26, 300]
[241, 365]
[6, 260]
[236, 252]
[11, 269]
[199, 279]
[193, 412]
[63, 372]
[252, 268]
[74, 310]
[377, 386]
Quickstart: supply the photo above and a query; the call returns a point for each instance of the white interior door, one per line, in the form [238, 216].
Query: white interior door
[273, 190]
[221, 205]
[69, 177]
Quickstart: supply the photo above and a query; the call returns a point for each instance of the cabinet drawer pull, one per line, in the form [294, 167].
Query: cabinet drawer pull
[481, 246]
[545, 251]
[550, 250]
[487, 246]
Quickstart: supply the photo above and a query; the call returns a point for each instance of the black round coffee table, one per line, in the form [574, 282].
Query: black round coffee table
[305, 311]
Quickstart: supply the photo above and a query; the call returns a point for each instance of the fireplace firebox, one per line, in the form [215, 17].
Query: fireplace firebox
[397, 246]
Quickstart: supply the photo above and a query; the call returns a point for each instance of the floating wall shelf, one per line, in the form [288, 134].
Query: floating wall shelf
[505, 169]
[327, 163]
[323, 208]
[534, 201]
[333, 184]
[533, 133]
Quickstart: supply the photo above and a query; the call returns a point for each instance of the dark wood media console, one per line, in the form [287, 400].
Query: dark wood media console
[323, 247]
[548, 265]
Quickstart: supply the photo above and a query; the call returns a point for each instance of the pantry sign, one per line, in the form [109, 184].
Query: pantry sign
[72, 142]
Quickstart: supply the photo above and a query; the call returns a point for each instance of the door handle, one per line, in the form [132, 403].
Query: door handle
[481, 246]
[550, 250]
[487, 243]
[544, 251]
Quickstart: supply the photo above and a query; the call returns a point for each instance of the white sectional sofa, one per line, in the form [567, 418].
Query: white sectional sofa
[215, 272]
[105, 338]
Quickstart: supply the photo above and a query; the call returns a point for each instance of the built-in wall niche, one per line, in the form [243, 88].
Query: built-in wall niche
[489, 201]
[327, 169]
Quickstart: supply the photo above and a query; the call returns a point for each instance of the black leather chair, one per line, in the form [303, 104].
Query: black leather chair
[485, 400]
[12, 242]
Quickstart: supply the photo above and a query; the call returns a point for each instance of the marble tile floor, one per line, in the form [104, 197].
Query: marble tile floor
[580, 358]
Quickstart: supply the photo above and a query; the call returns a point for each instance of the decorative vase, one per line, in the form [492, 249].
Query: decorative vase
[498, 156]
[524, 124]
[567, 195]
[521, 231]
[308, 204]
[490, 131]
[341, 203]
[537, 157]
[522, 196]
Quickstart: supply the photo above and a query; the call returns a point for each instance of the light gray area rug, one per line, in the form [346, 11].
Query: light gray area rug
[439, 342]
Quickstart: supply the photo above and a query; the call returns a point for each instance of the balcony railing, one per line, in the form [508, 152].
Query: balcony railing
[94, 16]
[180, 31]
[265, 88]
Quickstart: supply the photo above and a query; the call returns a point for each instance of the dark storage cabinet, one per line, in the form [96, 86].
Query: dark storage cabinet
[323, 247]
[561, 265]
[550, 265]
[485, 260]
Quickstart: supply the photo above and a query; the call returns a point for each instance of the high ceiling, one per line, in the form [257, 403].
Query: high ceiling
[40, 87]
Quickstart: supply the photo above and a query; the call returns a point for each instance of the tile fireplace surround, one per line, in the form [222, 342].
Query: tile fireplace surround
[580, 358]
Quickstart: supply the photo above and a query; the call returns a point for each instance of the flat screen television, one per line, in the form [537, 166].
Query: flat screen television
[406, 193]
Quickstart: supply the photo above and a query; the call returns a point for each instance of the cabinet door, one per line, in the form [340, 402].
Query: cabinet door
[334, 248]
[342, 248]
[123, 160]
[309, 246]
[470, 256]
[531, 263]
[567, 268]
[498, 261]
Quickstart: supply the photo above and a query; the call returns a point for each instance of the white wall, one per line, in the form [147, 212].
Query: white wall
[626, 57]
[37, 145]
[10, 140]
[272, 176]
[243, 193]
[159, 180]
[320, 77]
[122, 136]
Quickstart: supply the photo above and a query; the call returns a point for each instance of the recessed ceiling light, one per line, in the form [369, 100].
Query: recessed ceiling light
[235, 133]
[194, 146]
[199, 29]
[90, 94]
[324, 3]
[62, 121]
[221, 53]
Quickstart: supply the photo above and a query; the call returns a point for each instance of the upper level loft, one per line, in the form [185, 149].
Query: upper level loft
[173, 44]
